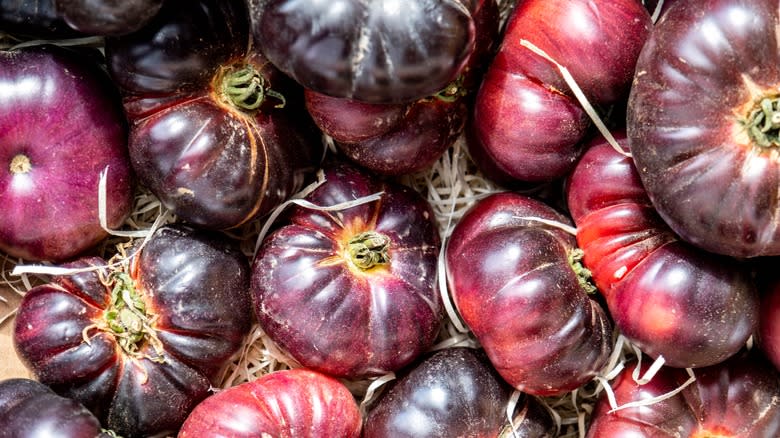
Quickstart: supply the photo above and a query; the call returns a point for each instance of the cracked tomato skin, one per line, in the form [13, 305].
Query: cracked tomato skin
[514, 285]
[669, 297]
[313, 298]
[61, 125]
[295, 403]
[736, 398]
[194, 286]
[367, 50]
[215, 156]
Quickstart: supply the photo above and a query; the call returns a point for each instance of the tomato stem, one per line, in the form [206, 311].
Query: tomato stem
[20, 164]
[583, 274]
[369, 249]
[245, 88]
[763, 122]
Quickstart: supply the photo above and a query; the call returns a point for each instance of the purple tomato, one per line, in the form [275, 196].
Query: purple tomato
[141, 342]
[517, 284]
[61, 125]
[351, 292]
[296, 403]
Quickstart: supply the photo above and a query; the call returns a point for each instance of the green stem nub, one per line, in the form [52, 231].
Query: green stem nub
[127, 317]
[763, 122]
[247, 89]
[369, 249]
[583, 274]
[453, 91]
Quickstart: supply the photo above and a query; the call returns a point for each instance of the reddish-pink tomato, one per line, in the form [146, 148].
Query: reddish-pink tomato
[295, 403]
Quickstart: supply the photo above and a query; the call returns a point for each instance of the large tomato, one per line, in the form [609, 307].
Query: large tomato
[217, 133]
[671, 298]
[516, 283]
[139, 343]
[351, 292]
[736, 398]
[295, 403]
[702, 124]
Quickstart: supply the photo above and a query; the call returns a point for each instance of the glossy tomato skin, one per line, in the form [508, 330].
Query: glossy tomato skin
[295, 403]
[107, 17]
[399, 139]
[216, 161]
[713, 184]
[514, 285]
[452, 392]
[403, 138]
[34, 19]
[332, 315]
[769, 322]
[670, 298]
[527, 124]
[378, 52]
[738, 397]
[30, 409]
[61, 125]
[193, 287]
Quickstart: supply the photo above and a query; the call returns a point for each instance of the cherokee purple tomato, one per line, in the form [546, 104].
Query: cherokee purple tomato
[61, 125]
[295, 403]
[351, 292]
[30, 409]
[379, 51]
[702, 124]
[736, 398]
[138, 343]
[670, 298]
[454, 392]
[527, 124]
[217, 133]
[516, 284]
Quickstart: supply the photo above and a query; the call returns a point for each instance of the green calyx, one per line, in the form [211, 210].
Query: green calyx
[453, 91]
[763, 122]
[245, 88]
[583, 274]
[128, 320]
[369, 249]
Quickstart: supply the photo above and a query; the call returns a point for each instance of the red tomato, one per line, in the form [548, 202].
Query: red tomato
[295, 403]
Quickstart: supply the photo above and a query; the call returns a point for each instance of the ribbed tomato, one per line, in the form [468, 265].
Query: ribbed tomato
[351, 292]
[672, 299]
[296, 403]
[737, 398]
[516, 284]
[703, 124]
[139, 343]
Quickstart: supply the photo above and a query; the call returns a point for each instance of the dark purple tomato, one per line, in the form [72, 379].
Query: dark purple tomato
[34, 19]
[402, 138]
[769, 323]
[380, 51]
[453, 392]
[61, 125]
[514, 282]
[390, 139]
[139, 343]
[527, 124]
[217, 133]
[670, 298]
[737, 398]
[107, 17]
[352, 292]
[295, 403]
[29, 409]
[702, 124]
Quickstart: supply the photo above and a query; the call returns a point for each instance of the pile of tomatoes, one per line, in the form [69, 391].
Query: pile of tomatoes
[632, 151]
